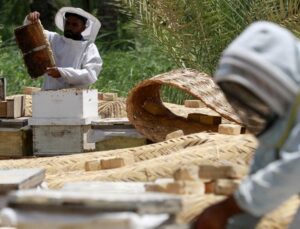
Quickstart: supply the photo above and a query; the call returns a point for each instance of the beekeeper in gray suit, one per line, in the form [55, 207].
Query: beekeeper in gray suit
[260, 76]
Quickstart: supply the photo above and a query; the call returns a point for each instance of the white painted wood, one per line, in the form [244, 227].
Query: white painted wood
[65, 104]
[30, 219]
[14, 179]
[107, 187]
[61, 121]
[59, 140]
[144, 203]
[96, 135]
[111, 121]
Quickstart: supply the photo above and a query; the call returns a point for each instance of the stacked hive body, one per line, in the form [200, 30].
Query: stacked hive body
[15, 137]
[35, 47]
[61, 119]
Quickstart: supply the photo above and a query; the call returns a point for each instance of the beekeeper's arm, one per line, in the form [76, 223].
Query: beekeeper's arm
[266, 189]
[262, 191]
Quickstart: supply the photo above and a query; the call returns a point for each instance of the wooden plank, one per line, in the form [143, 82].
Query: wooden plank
[112, 123]
[187, 173]
[177, 187]
[109, 96]
[116, 162]
[14, 123]
[2, 89]
[16, 179]
[144, 203]
[154, 108]
[3, 109]
[107, 187]
[30, 90]
[175, 134]
[15, 106]
[226, 187]
[205, 119]
[120, 142]
[194, 104]
[230, 129]
[15, 142]
[92, 165]
[222, 171]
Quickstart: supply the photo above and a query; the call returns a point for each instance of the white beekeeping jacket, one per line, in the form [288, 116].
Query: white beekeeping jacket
[78, 62]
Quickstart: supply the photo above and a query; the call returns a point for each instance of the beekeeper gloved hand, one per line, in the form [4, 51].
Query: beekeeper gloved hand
[217, 215]
[53, 72]
[33, 16]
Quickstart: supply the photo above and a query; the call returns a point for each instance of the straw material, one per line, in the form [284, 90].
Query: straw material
[148, 114]
[280, 218]
[223, 151]
[112, 109]
[151, 161]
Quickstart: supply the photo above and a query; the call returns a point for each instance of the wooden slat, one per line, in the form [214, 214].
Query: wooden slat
[144, 203]
[15, 179]
[15, 142]
[14, 123]
[3, 109]
[15, 106]
[2, 89]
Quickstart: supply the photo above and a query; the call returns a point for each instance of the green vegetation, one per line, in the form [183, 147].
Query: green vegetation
[195, 32]
[184, 33]
[128, 55]
[121, 69]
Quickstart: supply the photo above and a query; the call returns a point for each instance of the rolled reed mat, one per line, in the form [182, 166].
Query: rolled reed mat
[280, 218]
[148, 114]
[75, 162]
[37, 53]
[112, 109]
[224, 151]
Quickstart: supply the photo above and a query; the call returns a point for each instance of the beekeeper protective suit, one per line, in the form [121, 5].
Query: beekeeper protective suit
[260, 76]
[78, 61]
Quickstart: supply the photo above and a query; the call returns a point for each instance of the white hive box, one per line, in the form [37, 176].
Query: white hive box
[61, 119]
[61, 140]
[64, 107]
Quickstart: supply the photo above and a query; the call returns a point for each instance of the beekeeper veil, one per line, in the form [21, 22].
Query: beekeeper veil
[259, 74]
[92, 25]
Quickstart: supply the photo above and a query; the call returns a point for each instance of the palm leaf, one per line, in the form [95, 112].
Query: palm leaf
[194, 32]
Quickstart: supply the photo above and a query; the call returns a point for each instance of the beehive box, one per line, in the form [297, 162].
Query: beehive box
[61, 119]
[15, 142]
[60, 139]
[115, 133]
[64, 107]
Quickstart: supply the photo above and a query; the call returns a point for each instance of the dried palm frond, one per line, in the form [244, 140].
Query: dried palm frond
[194, 33]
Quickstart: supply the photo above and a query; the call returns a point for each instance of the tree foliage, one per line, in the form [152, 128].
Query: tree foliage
[195, 32]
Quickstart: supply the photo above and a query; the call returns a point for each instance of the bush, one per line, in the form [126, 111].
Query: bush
[121, 70]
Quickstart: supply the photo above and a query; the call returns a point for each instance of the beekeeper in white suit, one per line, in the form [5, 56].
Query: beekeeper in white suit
[76, 56]
[260, 76]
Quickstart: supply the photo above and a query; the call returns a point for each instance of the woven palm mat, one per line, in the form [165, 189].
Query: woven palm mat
[152, 161]
[148, 114]
[112, 109]
[278, 219]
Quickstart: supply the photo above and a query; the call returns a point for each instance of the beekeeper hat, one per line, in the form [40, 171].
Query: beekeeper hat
[92, 26]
